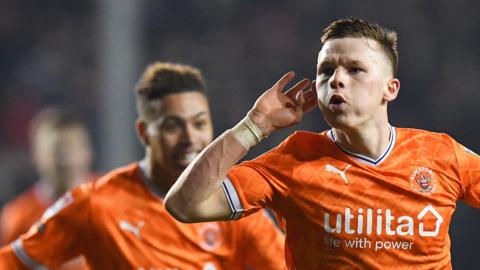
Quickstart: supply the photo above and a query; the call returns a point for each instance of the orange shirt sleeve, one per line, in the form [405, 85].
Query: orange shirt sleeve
[247, 190]
[18, 216]
[469, 172]
[60, 235]
[262, 243]
[262, 182]
[10, 224]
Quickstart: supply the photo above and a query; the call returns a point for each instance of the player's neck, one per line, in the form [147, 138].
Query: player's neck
[160, 178]
[370, 140]
[55, 185]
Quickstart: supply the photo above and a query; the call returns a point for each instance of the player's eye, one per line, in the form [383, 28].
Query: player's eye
[327, 71]
[324, 74]
[355, 70]
[200, 124]
[171, 125]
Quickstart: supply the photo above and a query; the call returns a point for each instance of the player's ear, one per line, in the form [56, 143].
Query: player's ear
[392, 89]
[141, 128]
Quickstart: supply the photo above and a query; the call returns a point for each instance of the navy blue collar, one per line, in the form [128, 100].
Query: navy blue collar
[365, 159]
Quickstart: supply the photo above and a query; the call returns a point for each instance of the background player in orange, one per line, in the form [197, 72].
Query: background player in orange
[62, 155]
[119, 221]
[363, 195]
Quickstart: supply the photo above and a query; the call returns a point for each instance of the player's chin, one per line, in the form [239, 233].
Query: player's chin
[338, 121]
[180, 165]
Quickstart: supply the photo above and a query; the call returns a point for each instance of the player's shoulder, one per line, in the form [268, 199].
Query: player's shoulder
[424, 136]
[22, 208]
[300, 140]
[299, 146]
[116, 179]
[24, 200]
[94, 193]
[427, 145]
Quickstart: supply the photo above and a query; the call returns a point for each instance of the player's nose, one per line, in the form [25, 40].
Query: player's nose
[187, 136]
[337, 79]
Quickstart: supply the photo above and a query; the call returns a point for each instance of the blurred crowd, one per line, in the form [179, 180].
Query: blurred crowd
[47, 57]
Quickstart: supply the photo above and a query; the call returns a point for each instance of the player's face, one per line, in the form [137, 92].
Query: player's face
[183, 129]
[354, 82]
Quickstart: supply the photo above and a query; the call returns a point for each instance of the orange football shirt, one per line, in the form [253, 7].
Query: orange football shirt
[118, 223]
[21, 213]
[341, 210]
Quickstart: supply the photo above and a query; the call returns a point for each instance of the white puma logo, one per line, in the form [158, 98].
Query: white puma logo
[334, 169]
[126, 226]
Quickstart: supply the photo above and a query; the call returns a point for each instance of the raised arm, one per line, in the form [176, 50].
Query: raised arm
[197, 195]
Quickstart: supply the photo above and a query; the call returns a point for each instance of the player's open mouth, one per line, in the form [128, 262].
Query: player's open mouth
[186, 157]
[337, 102]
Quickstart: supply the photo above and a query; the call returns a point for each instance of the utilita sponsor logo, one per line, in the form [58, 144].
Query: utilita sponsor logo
[405, 225]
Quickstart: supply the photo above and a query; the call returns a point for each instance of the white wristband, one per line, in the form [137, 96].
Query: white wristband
[247, 132]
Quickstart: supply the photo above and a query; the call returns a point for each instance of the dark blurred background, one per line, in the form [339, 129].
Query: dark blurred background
[88, 54]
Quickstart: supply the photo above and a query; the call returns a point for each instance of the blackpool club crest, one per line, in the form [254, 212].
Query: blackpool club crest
[423, 180]
[210, 235]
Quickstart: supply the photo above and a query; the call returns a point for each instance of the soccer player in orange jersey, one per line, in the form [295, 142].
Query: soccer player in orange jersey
[62, 155]
[119, 221]
[362, 195]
